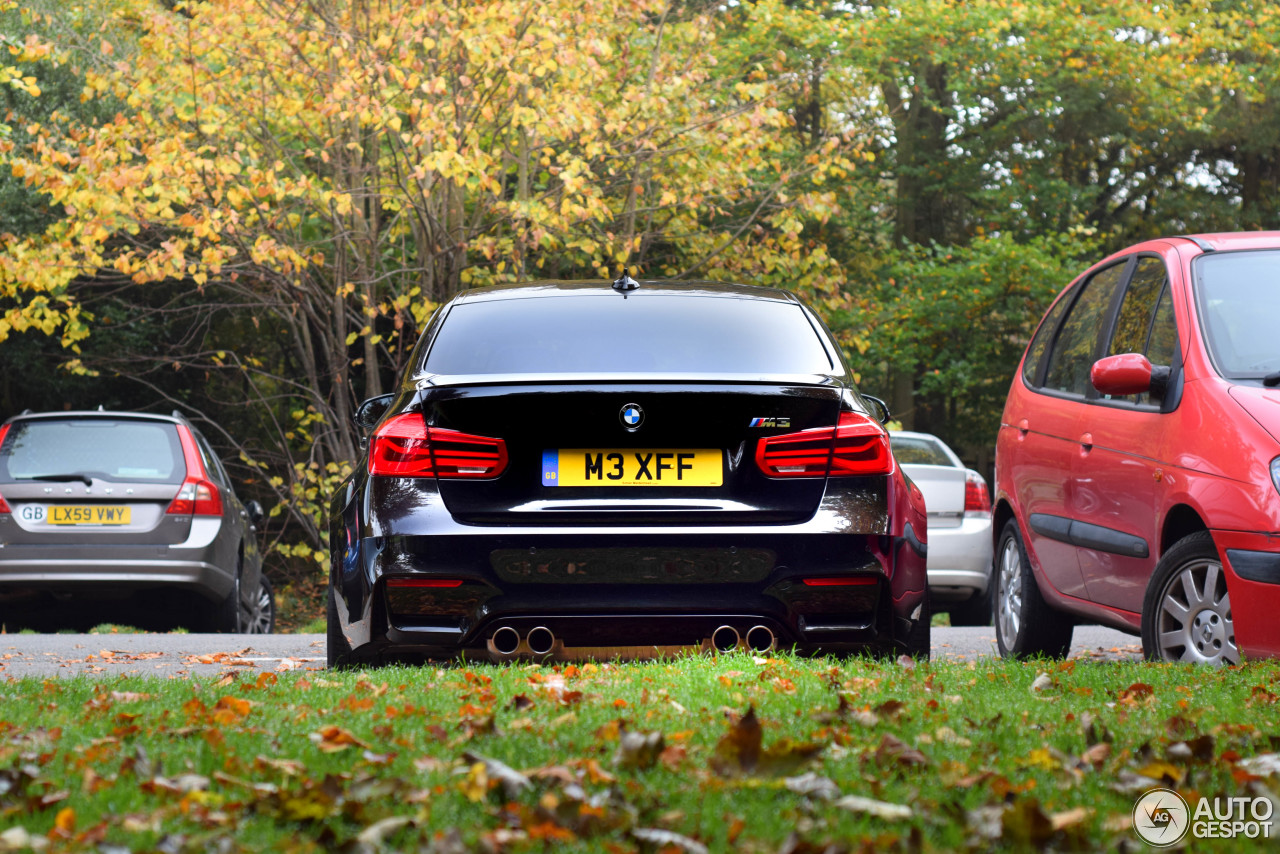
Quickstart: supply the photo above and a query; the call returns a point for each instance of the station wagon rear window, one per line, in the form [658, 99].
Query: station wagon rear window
[642, 334]
[115, 450]
[913, 451]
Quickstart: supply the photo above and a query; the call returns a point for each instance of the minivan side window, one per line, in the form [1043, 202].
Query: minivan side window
[1073, 350]
[1145, 324]
[1040, 343]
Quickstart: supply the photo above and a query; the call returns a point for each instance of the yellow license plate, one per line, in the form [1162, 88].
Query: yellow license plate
[88, 514]
[633, 467]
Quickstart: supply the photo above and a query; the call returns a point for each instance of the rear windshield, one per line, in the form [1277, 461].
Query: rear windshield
[912, 451]
[606, 334]
[122, 450]
[1239, 298]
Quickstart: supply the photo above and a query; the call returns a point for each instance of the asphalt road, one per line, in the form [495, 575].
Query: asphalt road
[176, 656]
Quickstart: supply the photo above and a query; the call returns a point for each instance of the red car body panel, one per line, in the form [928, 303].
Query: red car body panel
[1144, 473]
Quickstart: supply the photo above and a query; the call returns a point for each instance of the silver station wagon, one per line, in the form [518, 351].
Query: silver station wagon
[102, 508]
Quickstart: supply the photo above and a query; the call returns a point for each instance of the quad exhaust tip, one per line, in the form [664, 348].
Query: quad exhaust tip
[505, 640]
[725, 638]
[761, 638]
[540, 640]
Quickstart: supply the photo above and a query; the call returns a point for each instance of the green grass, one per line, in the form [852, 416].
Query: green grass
[315, 627]
[308, 761]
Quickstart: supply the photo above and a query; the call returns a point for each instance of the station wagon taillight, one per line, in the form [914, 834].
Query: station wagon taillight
[198, 496]
[856, 446]
[406, 447]
[977, 499]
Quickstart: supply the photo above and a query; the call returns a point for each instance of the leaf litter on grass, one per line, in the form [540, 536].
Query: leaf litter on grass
[612, 757]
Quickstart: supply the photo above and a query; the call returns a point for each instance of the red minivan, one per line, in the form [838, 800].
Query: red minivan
[1138, 460]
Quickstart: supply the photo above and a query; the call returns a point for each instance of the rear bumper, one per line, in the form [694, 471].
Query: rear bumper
[122, 569]
[625, 586]
[960, 559]
[578, 586]
[1252, 564]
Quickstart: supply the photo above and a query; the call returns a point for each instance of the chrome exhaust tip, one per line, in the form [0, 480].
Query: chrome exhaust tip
[725, 638]
[504, 641]
[540, 640]
[761, 638]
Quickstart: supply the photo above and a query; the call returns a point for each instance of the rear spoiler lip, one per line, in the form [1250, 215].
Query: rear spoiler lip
[621, 378]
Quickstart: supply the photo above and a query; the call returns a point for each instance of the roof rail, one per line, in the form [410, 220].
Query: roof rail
[176, 414]
[1205, 246]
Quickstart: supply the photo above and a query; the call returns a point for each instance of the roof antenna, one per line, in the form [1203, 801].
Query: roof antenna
[625, 283]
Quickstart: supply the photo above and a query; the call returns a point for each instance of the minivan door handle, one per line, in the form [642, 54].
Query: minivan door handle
[1086, 441]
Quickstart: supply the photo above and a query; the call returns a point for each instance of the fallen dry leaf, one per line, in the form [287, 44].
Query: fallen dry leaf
[1263, 765]
[739, 752]
[813, 786]
[893, 749]
[663, 839]
[511, 780]
[331, 739]
[639, 750]
[872, 807]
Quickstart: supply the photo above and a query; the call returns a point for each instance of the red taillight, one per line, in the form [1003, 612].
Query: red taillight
[406, 447]
[841, 581]
[198, 496]
[4, 505]
[424, 582]
[855, 446]
[976, 497]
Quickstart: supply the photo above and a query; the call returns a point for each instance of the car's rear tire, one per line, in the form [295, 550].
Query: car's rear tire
[225, 617]
[338, 650]
[1025, 624]
[260, 618]
[1186, 612]
[974, 611]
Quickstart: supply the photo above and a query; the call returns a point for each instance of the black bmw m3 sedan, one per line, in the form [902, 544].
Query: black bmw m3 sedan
[577, 469]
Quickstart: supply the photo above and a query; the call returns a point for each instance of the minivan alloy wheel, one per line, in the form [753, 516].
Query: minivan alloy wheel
[1009, 590]
[1194, 621]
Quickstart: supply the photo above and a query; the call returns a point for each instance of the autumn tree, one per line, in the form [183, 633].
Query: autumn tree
[301, 185]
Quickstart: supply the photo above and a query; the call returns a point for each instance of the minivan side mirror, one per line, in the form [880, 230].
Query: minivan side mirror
[371, 411]
[879, 408]
[1128, 373]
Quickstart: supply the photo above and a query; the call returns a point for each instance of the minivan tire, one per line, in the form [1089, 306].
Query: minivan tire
[1207, 627]
[1025, 624]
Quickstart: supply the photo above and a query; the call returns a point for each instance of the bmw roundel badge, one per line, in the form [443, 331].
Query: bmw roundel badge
[631, 416]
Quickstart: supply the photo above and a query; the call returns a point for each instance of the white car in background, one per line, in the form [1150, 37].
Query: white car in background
[960, 544]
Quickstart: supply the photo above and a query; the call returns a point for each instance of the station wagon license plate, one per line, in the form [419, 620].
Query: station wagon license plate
[633, 467]
[87, 514]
